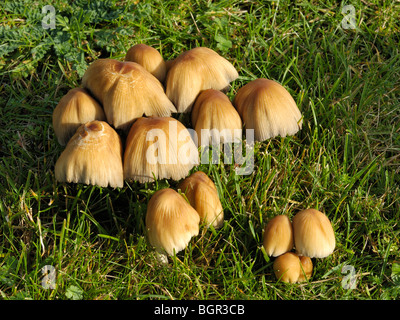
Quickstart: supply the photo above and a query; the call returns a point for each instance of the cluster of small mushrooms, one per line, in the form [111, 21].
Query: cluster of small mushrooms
[310, 233]
[118, 126]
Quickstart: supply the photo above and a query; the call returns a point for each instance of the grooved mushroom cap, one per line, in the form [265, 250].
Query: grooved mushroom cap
[127, 91]
[268, 108]
[74, 109]
[159, 148]
[92, 156]
[202, 194]
[196, 70]
[313, 234]
[149, 58]
[278, 236]
[215, 118]
[287, 267]
[170, 221]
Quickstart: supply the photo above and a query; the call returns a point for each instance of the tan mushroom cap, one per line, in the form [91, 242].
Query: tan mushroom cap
[160, 148]
[127, 91]
[215, 118]
[287, 267]
[196, 70]
[92, 156]
[278, 236]
[171, 222]
[268, 108]
[313, 234]
[74, 109]
[202, 194]
[306, 268]
[291, 268]
[149, 58]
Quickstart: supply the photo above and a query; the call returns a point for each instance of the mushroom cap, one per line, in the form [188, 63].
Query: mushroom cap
[278, 236]
[92, 156]
[306, 267]
[74, 109]
[287, 267]
[202, 194]
[170, 221]
[127, 91]
[213, 114]
[268, 108]
[160, 148]
[149, 58]
[313, 234]
[196, 70]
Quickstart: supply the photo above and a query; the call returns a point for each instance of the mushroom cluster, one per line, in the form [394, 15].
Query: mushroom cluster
[137, 98]
[119, 127]
[174, 217]
[310, 234]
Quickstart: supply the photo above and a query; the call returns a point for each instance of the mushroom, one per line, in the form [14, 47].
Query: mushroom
[202, 194]
[159, 148]
[92, 156]
[127, 91]
[306, 266]
[278, 236]
[74, 109]
[171, 222]
[215, 118]
[149, 58]
[313, 234]
[287, 267]
[268, 108]
[196, 70]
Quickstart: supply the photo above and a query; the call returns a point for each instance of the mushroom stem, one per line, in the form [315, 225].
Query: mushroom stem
[161, 257]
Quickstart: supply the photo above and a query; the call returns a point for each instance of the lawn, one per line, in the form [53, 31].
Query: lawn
[341, 67]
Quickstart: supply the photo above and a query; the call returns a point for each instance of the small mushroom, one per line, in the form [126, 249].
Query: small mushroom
[215, 118]
[268, 108]
[127, 91]
[171, 222]
[92, 156]
[149, 58]
[287, 267]
[291, 268]
[202, 194]
[306, 266]
[278, 236]
[159, 148]
[313, 234]
[74, 109]
[196, 70]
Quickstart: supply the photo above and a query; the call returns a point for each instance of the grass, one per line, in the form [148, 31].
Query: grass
[344, 161]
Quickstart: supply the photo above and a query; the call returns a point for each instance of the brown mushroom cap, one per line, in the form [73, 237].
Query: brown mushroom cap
[92, 156]
[127, 91]
[278, 236]
[160, 148]
[268, 108]
[149, 58]
[313, 234]
[170, 221]
[287, 267]
[213, 113]
[306, 267]
[202, 194]
[196, 70]
[74, 109]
